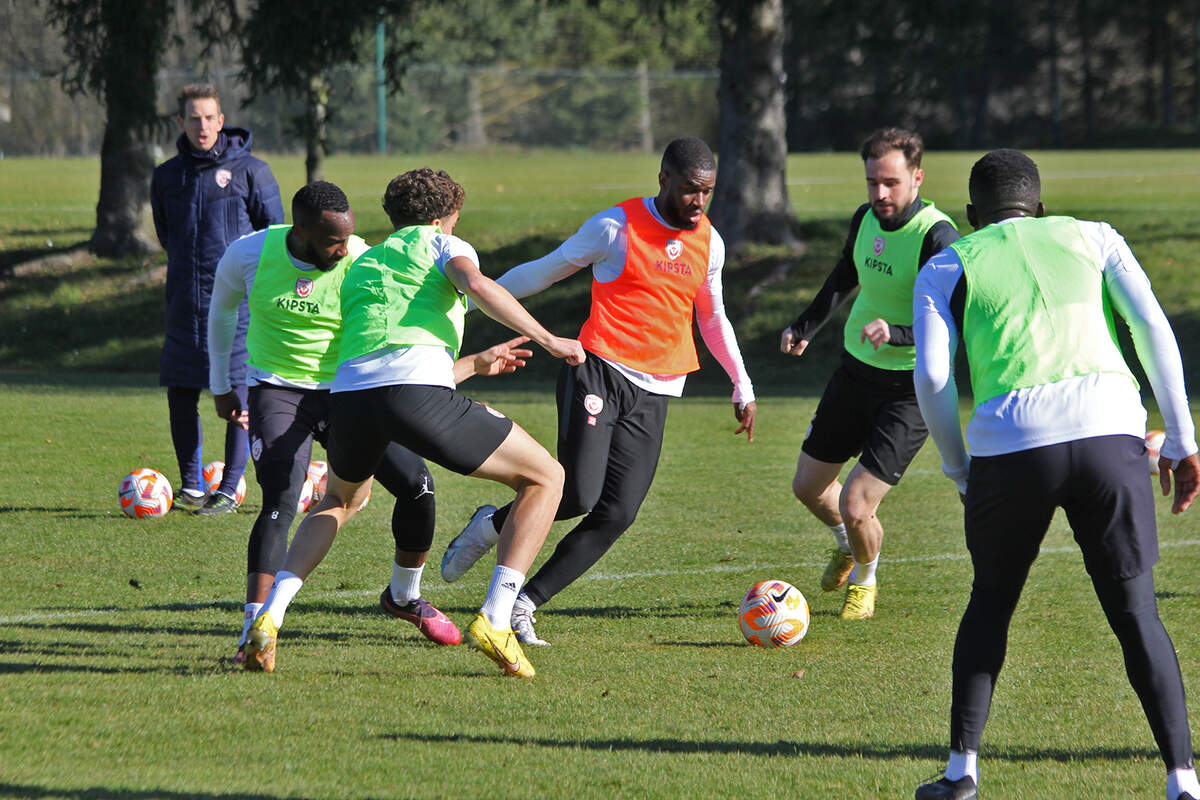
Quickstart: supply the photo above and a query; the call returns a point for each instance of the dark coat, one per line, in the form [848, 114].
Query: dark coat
[202, 202]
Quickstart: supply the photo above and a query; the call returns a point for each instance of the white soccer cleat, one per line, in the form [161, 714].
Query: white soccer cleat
[464, 550]
[522, 625]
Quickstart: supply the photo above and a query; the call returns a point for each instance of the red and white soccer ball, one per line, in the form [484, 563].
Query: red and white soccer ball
[773, 614]
[317, 473]
[145, 493]
[306, 496]
[1154, 442]
[213, 472]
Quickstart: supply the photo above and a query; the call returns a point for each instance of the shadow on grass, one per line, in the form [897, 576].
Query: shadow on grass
[182, 670]
[18, 790]
[59, 513]
[936, 752]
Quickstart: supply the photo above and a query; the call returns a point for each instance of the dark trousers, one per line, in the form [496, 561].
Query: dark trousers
[1103, 485]
[609, 439]
[187, 434]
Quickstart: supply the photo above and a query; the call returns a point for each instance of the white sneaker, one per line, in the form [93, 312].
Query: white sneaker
[522, 625]
[464, 550]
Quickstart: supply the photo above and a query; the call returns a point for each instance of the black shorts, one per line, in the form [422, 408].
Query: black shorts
[433, 421]
[283, 423]
[870, 411]
[1102, 484]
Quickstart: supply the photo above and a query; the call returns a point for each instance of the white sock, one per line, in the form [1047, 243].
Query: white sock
[193, 493]
[1180, 781]
[252, 610]
[287, 584]
[840, 536]
[961, 765]
[501, 595]
[406, 583]
[864, 574]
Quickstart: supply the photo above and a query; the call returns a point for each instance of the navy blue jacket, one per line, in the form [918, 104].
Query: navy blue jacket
[201, 203]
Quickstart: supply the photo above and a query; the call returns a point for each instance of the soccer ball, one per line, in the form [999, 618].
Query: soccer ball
[773, 614]
[145, 493]
[1154, 442]
[317, 470]
[306, 496]
[213, 472]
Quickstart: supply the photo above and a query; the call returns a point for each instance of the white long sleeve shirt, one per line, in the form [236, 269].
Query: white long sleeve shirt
[233, 280]
[601, 243]
[1066, 410]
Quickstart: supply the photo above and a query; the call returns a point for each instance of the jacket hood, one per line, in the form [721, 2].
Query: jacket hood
[231, 143]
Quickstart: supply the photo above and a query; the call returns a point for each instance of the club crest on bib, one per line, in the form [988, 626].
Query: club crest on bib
[304, 287]
[674, 249]
[256, 448]
[879, 244]
[593, 404]
[223, 177]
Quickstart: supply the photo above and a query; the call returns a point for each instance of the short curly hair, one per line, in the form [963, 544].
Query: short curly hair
[315, 198]
[420, 196]
[1005, 176]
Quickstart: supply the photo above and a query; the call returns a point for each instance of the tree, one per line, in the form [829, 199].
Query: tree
[751, 200]
[114, 48]
[293, 45]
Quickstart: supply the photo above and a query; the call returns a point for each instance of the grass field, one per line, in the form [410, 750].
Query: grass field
[114, 633]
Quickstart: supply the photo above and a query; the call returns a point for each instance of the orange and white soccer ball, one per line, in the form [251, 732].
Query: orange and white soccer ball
[773, 614]
[213, 472]
[1154, 442]
[317, 472]
[145, 493]
[306, 496]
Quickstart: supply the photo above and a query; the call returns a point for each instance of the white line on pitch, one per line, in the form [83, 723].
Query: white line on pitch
[962, 556]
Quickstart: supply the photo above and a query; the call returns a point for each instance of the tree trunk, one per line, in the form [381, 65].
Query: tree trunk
[128, 61]
[645, 125]
[1166, 57]
[751, 202]
[476, 132]
[315, 120]
[125, 169]
[1052, 54]
[1088, 84]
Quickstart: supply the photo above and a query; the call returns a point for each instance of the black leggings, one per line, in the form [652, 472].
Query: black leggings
[284, 423]
[1103, 487]
[609, 439]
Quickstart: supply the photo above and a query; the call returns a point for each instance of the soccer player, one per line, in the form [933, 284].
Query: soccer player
[403, 304]
[292, 276]
[1058, 422]
[655, 262]
[868, 406]
[203, 199]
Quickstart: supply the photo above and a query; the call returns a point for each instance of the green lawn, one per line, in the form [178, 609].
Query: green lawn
[114, 633]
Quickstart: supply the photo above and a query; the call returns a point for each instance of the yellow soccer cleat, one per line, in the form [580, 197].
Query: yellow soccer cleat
[260, 644]
[837, 570]
[500, 645]
[860, 601]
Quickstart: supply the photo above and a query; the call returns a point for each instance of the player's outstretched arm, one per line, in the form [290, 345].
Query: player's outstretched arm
[504, 357]
[1187, 480]
[495, 301]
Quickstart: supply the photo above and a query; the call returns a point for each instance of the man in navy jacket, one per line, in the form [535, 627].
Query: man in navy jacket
[210, 194]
